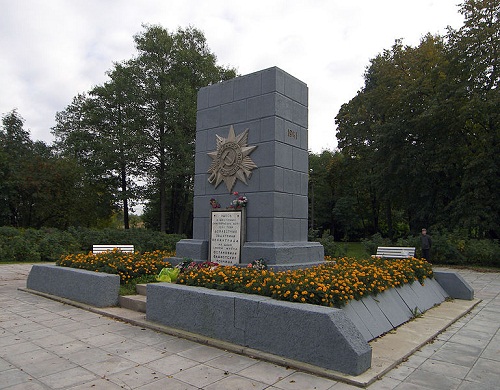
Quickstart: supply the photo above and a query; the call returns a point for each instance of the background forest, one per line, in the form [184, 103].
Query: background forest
[418, 146]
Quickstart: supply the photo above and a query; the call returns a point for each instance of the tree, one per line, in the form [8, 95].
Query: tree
[15, 146]
[172, 69]
[37, 189]
[77, 141]
[474, 54]
[423, 131]
[117, 116]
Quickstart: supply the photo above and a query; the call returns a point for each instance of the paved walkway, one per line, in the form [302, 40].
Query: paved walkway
[45, 344]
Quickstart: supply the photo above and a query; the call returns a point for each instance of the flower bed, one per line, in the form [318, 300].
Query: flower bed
[127, 265]
[330, 284]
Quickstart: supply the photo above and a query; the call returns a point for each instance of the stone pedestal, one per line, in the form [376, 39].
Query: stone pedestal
[272, 105]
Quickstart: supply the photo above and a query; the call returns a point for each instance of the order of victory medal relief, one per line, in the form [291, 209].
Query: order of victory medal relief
[231, 160]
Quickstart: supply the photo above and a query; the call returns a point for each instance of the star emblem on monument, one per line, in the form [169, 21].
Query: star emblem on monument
[231, 160]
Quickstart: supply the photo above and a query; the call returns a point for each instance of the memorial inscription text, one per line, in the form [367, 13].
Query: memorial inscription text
[225, 238]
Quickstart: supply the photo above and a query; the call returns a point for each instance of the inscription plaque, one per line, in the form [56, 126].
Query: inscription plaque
[226, 236]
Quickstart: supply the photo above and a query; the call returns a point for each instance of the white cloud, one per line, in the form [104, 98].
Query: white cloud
[55, 49]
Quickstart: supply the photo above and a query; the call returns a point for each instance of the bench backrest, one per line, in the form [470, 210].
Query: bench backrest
[104, 248]
[395, 252]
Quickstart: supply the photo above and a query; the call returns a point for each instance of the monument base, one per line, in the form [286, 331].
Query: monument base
[278, 255]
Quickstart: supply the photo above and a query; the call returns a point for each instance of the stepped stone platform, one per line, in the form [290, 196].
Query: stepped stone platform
[329, 338]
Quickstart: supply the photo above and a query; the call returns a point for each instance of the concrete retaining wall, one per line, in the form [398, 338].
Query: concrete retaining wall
[313, 334]
[96, 289]
[376, 315]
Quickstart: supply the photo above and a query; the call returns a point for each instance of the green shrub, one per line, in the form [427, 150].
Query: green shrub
[332, 248]
[483, 252]
[374, 242]
[452, 248]
[18, 249]
[31, 245]
[56, 243]
[144, 240]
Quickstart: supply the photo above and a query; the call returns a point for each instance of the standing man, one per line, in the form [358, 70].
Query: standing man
[426, 245]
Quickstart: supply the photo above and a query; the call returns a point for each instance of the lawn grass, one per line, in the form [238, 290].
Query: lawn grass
[357, 250]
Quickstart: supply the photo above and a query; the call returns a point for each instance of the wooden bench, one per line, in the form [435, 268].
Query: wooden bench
[104, 248]
[395, 252]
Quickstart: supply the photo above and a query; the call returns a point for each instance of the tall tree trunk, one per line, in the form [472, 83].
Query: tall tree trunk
[123, 178]
[163, 182]
[389, 219]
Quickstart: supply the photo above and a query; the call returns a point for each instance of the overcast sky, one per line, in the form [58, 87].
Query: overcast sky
[51, 50]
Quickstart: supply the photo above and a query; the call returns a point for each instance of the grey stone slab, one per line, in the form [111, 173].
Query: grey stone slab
[427, 379]
[283, 155]
[261, 106]
[286, 253]
[380, 324]
[299, 114]
[214, 95]
[101, 384]
[437, 289]
[327, 337]
[351, 310]
[192, 249]
[284, 205]
[267, 178]
[273, 80]
[485, 371]
[300, 207]
[200, 376]
[15, 376]
[393, 307]
[291, 180]
[456, 353]
[265, 372]
[49, 366]
[296, 89]
[299, 159]
[231, 382]
[232, 362]
[233, 112]
[111, 365]
[454, 284]
[302, 381]
[271, 227]
[248, 86]
[208, 118]
[202, 353]
[426, 297]
[409, 297]
[135, 377]
[292, 230]
[202, 98]
[451, 370]
[97, 289]
[67, 378]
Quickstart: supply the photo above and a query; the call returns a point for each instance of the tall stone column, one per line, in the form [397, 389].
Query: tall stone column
[251, 138]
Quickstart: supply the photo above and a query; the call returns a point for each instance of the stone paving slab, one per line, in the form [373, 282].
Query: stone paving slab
[468, 364]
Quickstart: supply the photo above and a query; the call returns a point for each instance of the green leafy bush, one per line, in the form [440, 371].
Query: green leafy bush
[453, 248]
[144, 240]
[374, 242]
[32, 245]
[332, 248]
